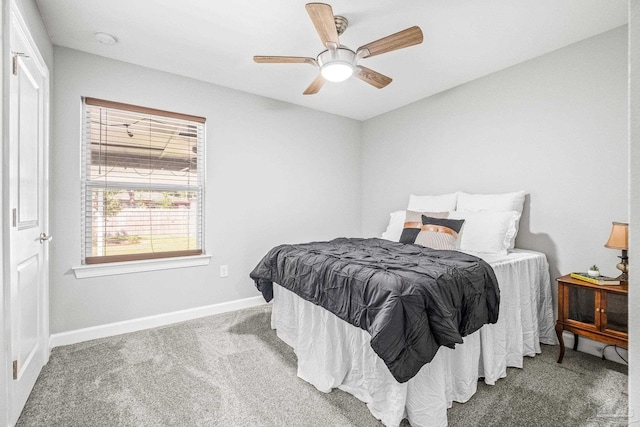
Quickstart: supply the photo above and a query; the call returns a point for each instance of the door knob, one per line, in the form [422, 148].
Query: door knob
[45, 238]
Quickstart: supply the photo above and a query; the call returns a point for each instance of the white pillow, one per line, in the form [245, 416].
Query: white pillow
[494, 202]
[396, 224]
[442, 203]
[491, 202]
[486, 231]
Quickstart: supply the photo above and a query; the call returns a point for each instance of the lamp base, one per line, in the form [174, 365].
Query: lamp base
[623, 266]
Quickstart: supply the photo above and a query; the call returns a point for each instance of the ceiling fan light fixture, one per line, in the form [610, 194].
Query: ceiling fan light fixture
[336, 65]
[337, 71]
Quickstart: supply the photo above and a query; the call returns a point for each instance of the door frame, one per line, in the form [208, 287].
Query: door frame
[4, 364]
[11, 16]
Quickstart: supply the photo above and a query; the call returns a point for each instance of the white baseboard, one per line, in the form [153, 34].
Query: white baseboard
[585, 345]
[595, 348]
[111, 329]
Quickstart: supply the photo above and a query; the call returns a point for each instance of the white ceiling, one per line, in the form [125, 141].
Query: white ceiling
[215, 41]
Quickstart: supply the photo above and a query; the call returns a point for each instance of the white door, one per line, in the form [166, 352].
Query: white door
[27, 251]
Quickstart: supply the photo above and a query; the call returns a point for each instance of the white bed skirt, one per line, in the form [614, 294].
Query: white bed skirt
[332, 353]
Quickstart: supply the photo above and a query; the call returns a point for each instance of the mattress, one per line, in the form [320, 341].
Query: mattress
[334, 354]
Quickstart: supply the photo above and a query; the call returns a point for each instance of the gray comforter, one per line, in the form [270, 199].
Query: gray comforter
[410, 299]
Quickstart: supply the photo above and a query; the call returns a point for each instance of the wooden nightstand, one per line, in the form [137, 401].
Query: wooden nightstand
[596, 312]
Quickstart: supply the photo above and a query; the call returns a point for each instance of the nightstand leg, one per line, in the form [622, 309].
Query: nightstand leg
[561, 340]
[575, 342]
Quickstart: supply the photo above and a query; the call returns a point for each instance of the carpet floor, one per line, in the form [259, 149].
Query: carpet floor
[232, 370]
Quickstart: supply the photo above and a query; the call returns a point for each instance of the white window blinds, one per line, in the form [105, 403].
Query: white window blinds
[142, 183]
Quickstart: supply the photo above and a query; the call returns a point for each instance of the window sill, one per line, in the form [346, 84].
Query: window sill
[113, 268]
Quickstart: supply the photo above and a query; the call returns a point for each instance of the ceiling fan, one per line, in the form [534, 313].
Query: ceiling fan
[337, 62]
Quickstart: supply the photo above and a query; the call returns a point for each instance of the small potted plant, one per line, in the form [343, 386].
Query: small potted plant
[594, 271]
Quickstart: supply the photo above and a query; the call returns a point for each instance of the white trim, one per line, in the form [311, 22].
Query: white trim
[5, 333]
[113, 268]
[133, 325]
[593, 348]
[16, 16]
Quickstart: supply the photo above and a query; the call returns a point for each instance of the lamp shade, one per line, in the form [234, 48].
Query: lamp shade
[619, 238]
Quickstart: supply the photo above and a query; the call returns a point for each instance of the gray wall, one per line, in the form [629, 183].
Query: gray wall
[280, 173]
[634, 237]
[554, 126]
[275, 173]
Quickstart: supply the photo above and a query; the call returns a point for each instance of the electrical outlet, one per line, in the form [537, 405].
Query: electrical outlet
[224, 270]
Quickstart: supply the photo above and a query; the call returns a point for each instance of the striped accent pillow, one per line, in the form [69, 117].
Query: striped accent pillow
[413, 224]
[432, 231]
[439, 233]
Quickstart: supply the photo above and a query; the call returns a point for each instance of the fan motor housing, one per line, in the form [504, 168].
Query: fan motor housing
[341, 54]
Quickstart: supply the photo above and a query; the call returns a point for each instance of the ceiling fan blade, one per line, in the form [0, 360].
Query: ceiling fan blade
[405, 38]
[374, 78]
[283, 60]
[321, 15]
[315, 86]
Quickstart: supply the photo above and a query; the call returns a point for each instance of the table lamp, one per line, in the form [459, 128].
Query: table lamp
[619, 239]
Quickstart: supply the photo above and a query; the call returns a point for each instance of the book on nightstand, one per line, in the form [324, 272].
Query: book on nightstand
[600, 280]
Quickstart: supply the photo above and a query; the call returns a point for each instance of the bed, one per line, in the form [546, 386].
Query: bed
[333, 353]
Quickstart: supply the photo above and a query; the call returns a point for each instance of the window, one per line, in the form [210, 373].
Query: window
[142, 183]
